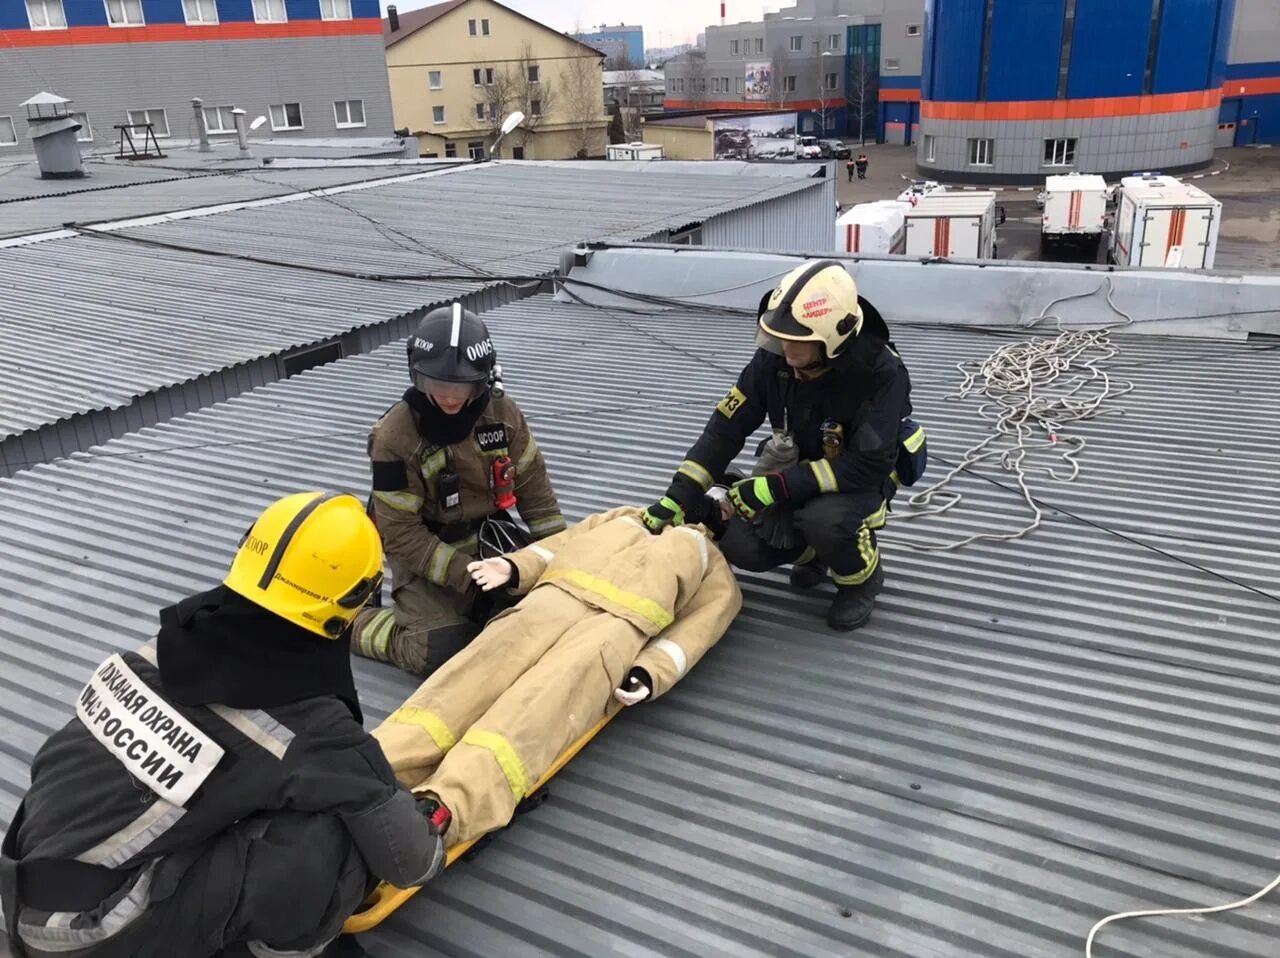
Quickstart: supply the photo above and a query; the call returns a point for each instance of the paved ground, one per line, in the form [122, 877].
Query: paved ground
[1249, 191]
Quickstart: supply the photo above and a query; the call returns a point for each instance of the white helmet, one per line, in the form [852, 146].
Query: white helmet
[816, 302]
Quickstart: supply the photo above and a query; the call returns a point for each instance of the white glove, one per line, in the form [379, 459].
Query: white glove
[489, 574]
[635, 692]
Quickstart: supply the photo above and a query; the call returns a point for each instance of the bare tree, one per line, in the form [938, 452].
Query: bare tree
[494, 98]
[582, 89]
[778, 92]
[628, 83]
[697, 76]
[862, 96]
[534, 97]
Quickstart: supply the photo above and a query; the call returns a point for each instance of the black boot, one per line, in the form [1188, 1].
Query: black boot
[853, 603]
[808, 575]
[344, 946]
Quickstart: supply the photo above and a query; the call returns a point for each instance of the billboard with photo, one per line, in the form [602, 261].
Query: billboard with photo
[759, 81]
[767, 136]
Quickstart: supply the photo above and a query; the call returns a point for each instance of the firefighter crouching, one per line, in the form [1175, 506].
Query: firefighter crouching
[216, 792]
[838, 399]
[454, 452]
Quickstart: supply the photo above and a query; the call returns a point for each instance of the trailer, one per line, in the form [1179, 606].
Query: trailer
[634, 151]
[954, 224]
[1161, 222]
[1075, 214]
[876, 227]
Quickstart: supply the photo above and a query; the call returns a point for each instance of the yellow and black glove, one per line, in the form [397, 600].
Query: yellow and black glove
[750, 497]
[665, 512]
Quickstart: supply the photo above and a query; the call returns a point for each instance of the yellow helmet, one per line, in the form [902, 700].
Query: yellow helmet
[312, 558]
[816, 302]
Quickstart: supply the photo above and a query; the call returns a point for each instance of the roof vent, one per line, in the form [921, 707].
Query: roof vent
[53, 135]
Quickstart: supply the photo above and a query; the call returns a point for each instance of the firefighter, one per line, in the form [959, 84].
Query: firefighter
[434, 455]
[837, 397]
[861, 164]
[611, 616]
[216, 789]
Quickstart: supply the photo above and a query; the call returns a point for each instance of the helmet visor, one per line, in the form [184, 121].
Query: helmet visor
[449, 391]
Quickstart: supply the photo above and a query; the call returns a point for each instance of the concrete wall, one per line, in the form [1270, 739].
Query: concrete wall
[682, 142]
[107, 80]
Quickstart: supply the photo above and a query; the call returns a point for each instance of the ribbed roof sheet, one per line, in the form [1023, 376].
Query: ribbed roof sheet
[1028, 736]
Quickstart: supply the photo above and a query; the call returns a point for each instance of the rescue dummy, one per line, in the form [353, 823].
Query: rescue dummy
[453, 452]
[611, 616]
[216, 792]
[838, 399]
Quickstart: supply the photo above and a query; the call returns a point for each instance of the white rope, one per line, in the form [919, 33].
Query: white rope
[1159, 912]
[1033, 391]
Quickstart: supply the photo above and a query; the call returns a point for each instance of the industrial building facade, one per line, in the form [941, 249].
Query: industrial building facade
[1013, 90]
[313, 68]
[622, 42]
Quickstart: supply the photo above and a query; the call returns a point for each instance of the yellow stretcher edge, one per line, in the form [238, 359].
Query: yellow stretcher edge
[385, 899]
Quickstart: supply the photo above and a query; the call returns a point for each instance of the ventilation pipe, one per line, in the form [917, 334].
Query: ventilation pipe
[393, 18]
[53, 133]
[197, 107]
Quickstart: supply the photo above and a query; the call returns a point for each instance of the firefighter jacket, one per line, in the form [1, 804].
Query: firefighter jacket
[133, 791]
[429, 497]
[866, 393]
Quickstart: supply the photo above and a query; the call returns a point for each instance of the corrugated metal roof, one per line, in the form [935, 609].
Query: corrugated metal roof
[92, 322]
[1028, 736]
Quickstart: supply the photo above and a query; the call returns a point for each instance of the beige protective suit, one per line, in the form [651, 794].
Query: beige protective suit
[603, 597]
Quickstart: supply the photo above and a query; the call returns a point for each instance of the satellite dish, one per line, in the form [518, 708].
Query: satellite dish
[258, 121]
[511, 122]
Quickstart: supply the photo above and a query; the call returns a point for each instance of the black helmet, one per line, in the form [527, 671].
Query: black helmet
[450, 353]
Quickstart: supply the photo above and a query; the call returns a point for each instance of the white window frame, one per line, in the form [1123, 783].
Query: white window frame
[789, 83]
[284, 112]
[49, 22]
[796, 44]
[930, 148]
[733, 48]
[535, 107]
[161, 130]
[6, 123]
[489, 74]
[124, 6]
[892, 63]
[831, 81]
[85, 133]
[220, 113]
[475, 149]
[471, 29]
[740, 85]
[1059, 151]
[535, 73]
[477, 76]
[435, 79]
[484, 27]
[451, 150]
[201, 8]
[982, 151]
[759, 44]
[833, 41]
[479, 112]
[913, 29]
[439, 119]
[349, 124]
[259, 6]
[336, 8]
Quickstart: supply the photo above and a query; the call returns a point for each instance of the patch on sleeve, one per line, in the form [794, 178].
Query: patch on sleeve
[732, 402]
[491, 437]
[390, 475]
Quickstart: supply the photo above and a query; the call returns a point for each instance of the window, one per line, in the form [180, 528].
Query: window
[434, 80]
[759, 44]
[158, 118]
[451, 150]
[1060, 152]
[479, 111]
[535, 108]
[484, 28]
[930, 148]
[8, 135]
[471, 28]
[437, 114]
[124, 13]
[833, 41]
[913, 29]
[286, 116]
[740, 85]
[85, 133]
[199, 12]
[789, 84]
[517, 152]
[830, 81]
[535, 73]
[46, 15]
[348, 113]
[797, 44]
[892, 63]
[981, 152]
[475, 76]
[733, 48]
[335, 9]
[488, 76]
[219, 119]
[715, 84]
[269, 11]
[475, 149]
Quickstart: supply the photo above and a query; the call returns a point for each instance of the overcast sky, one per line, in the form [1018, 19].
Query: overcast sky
[665, 22]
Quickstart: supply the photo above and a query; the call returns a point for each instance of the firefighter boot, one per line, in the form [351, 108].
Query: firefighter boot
[807, 575]
[853, 603]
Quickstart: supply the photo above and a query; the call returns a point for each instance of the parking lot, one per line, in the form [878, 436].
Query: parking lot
[1249, 188]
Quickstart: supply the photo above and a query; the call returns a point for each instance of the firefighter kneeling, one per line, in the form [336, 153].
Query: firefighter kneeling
[838, 399]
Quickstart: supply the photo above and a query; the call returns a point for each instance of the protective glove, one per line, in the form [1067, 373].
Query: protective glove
[633, 691]
[490, 574]
[665, 512]
[750, 497]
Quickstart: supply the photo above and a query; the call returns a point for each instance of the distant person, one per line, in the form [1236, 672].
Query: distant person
[849, 167]
[861, 164]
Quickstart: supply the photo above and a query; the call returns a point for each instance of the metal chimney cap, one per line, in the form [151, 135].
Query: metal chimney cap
[45, 99]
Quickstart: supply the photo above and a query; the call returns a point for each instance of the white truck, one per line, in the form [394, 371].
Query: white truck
[1075, 214]
[1164, 223]
[876, 227]
[956, 223]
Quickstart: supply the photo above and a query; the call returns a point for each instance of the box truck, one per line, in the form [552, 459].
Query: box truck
[877, 227]
[634, 151]
[1075, 214]
[1164, 223]
[956, 223]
